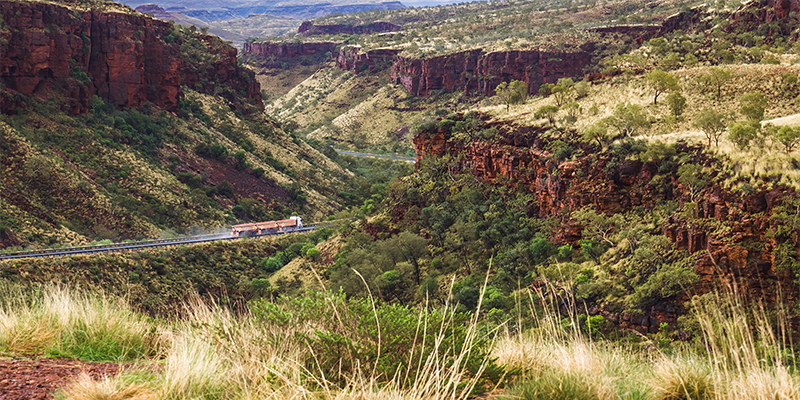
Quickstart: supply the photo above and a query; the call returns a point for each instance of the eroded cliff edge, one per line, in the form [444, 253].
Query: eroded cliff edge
[127, 59]
[742, 237]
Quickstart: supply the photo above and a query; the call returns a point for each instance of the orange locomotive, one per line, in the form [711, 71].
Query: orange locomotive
[260, 228]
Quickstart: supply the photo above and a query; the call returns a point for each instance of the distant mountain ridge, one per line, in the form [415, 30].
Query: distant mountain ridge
[209, 11]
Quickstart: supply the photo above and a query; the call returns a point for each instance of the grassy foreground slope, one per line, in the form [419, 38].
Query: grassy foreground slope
[291, 348]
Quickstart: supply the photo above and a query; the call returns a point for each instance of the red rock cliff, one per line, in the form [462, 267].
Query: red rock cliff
[266, 50]
[121, 57]
[352, 59]
[728, 236]
[307, 28]
[474, 71]
[781, 15]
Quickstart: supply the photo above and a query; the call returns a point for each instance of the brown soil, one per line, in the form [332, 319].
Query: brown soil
[245, 185]
[39, 379]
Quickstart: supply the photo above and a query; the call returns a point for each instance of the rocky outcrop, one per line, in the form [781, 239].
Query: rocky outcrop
[287, 50]
[156, 11]
[474, 71]
[352, 59]
[307, 28]
[731, 234]
[779, 16]
[123, 58]
[637, 33]
[224, 69]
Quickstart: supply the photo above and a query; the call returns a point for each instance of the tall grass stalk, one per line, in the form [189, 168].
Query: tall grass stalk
[58, 321]
[751, 352]
[742, 351]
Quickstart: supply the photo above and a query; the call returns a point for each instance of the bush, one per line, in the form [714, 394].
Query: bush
[216, 151]
[362, 337]
[271, 264]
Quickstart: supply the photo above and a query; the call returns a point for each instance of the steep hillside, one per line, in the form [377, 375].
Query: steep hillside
[100, 141]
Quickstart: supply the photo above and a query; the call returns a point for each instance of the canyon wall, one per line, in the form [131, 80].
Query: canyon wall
[752, 14]
[351, 58]
[307, 28]
[121, 57]
[728, 235]
[286, 50]
[474, 71]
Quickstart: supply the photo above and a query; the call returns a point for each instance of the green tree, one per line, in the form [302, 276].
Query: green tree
[712, 124]
[628, 118]
[548, 111]
[582, 89]
[661, 82]
[717, 79]
[515, 92]
[562, 91]
[689, 177]
[677, 103]
[598, 131]
[546, 89]
[413, 248]
[788, 137]
[741, 134]
[753, 105]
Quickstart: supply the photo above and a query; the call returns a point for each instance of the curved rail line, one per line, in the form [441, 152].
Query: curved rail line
[131, 246]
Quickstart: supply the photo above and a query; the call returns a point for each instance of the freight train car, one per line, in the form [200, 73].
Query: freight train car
[262, 228]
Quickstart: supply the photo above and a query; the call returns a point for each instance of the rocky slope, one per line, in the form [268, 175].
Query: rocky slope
[731, 234]
[308, 28]
[266, 50]
[109, 54]
[474, 71]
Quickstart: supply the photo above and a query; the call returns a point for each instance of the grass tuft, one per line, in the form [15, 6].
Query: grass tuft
[108, 388]
[683, 379]
[59, 322]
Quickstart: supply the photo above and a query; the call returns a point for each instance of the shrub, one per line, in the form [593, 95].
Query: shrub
[384, 341]
[271, 264]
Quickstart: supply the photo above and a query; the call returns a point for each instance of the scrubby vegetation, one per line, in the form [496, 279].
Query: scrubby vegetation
[361, 349]
[621, 235]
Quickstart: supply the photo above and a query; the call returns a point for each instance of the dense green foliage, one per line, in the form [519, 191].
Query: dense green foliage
[357, 337]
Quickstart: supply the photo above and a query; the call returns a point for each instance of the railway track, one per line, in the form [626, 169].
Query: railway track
[132, 246]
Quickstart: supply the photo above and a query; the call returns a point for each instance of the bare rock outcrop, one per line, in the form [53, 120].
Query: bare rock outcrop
[122, 57]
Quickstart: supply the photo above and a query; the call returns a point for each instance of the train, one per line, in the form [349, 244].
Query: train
[267, 227]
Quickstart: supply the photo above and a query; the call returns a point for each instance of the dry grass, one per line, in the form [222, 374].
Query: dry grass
[59, 322]
[741, 352]
[108, 388]
[214, 353]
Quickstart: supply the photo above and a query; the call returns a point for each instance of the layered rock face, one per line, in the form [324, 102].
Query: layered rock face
[755, 13]
[352, 59]
[155, 11]
[122, 58]
[288, 50]
[728, 235]
[474, 71]
[307, 28]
